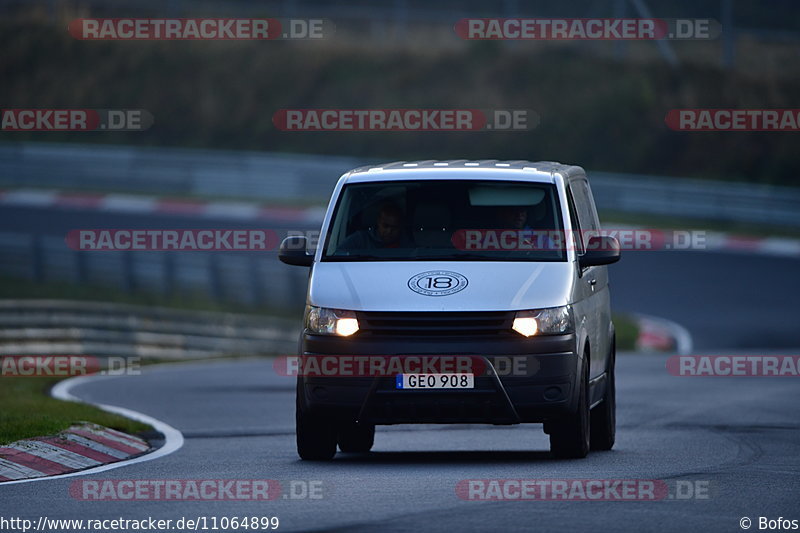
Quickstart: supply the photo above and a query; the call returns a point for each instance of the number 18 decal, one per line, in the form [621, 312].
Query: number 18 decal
[437, 283]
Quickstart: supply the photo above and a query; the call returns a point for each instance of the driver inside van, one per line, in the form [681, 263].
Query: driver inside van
[516, 217]
[387, 232]
[523, 216]
[512, 217]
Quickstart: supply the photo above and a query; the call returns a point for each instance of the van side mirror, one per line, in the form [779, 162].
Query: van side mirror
[600, 250]
[293, 251]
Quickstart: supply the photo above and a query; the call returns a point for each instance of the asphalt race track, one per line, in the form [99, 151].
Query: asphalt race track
[738, 437]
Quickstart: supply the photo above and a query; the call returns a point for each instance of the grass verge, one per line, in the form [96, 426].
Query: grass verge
[627, 332]
[29, 411]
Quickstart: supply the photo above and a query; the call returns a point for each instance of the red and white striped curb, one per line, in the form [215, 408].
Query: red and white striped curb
[172, 206]
[721, 241]
[82, 446]
[661, 335]
[652, 339]
[761, 245]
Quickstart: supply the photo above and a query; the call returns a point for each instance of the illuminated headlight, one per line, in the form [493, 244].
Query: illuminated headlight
[543, 321]
[324, 321]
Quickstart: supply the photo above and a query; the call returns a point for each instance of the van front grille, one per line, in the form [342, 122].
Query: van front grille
[435, 323]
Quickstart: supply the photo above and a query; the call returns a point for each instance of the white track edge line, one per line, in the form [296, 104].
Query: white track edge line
[173, 438]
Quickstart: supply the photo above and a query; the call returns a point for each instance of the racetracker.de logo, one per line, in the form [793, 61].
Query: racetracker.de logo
[176, 489]
[527, 240]
[333, 366]
[569, 490]
[197, 490]
[734, 365]
[226, 29]
[48, 365]
[208, 240]
[75, 119]
[405, 119]
[562, 489]
[733, 120]
[571, 29]
[375, 365]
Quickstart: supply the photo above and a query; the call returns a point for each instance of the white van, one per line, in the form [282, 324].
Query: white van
[425, 265]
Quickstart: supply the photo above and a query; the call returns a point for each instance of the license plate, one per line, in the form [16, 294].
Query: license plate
[435, 381]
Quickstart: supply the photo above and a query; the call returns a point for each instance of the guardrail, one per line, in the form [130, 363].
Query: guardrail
[279, 178]
[248, 278]
[681, 197]
[172, 171]
[60, 327]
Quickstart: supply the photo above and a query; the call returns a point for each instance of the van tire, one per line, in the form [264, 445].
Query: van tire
[356, 438]
[604, 416]
[316, 435]
[569, 437]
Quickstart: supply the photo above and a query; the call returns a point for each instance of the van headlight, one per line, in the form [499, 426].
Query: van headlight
[324, 321]
[543, 321]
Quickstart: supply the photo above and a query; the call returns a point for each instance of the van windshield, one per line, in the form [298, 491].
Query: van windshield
[446, 220]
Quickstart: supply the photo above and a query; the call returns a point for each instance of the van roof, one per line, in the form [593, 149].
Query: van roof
[541, 171]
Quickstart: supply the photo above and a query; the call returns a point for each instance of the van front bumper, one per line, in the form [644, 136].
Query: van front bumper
[545, 388]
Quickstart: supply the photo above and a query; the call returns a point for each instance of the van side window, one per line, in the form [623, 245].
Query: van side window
[584, 205]
[577, 241]
[584, 208]
[591, 205]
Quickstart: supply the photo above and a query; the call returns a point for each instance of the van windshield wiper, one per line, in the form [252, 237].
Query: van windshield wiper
[458, 255]
[411, 257]
[360, 257]
[472, 256]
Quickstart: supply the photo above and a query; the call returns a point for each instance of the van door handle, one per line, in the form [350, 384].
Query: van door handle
[593, 282]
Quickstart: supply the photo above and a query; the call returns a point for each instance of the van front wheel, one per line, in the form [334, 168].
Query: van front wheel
[569, 437]
[316, 436]
[604, 416]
